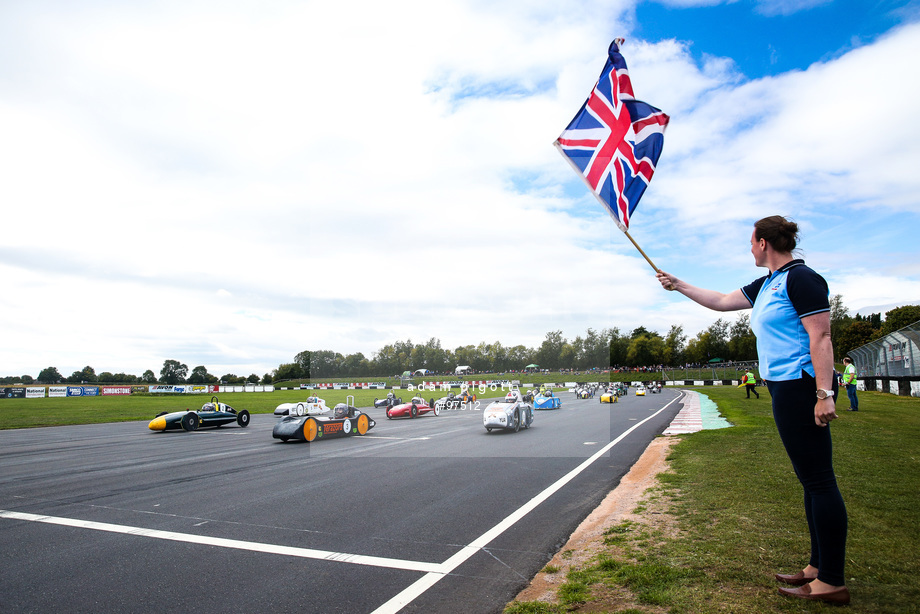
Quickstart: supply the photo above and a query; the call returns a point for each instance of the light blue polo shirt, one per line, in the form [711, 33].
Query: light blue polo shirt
[779, 302]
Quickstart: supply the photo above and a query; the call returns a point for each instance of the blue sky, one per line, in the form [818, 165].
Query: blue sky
[227, 185]
[772, 38]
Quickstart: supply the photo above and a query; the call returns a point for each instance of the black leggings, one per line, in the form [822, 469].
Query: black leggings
[809, 448]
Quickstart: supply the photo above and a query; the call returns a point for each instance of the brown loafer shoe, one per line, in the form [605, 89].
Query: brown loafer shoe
[838, 596]
[796, 579]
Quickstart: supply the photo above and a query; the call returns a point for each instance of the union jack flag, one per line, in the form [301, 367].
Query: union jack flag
[614, 141]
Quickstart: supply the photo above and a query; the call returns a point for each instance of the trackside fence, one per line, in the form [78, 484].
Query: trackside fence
[892, 363]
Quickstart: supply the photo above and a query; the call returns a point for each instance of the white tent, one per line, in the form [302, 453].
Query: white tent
[421, 371]
[460, 370]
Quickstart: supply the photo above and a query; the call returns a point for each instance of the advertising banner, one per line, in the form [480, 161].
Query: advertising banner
[35, 392]
[75, 391]
[197, 389]
[161, 388]
[138, 389]
[109, 390]
[13, 393]
[91, 391]
[57, 391]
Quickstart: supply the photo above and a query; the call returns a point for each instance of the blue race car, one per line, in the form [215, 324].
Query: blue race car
[547, 400]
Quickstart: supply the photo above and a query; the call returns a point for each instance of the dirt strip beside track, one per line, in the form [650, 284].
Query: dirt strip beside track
[588, 539]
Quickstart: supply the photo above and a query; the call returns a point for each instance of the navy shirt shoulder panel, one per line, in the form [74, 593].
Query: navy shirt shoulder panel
[751, 290]
[807, 290]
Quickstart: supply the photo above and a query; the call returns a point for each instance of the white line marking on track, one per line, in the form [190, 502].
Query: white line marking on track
[307, 553]
[421, 585]
[433, 571]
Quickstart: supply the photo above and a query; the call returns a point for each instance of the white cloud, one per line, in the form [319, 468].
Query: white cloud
[230, 185]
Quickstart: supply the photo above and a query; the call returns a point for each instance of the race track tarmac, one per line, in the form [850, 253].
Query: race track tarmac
[420, 515]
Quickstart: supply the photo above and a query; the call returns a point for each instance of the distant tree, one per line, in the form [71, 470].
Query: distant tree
[742, 344]
[644, 350]
[50, 375]
[674, 345]
[173, 372]
[253, 378]
[567, 356]
[148, 377]
[858, 333]
[106, 377]
[230, 378]
[840, 317]
[355, 365]
[27, 380]
[288, 371]
[325, 363]
[302, 360]
[548, 356]
[89, 374]
[200, 375]
[619, 347]
[639, 331]
[267, 378]
[900, 317]
[710, 343]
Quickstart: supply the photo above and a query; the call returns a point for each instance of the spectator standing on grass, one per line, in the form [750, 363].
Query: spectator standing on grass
[849, 380]
[791, 320]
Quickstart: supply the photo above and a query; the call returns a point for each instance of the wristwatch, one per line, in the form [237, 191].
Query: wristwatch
[823, 394]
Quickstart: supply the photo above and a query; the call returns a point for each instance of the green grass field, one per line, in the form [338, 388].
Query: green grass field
[738, 512]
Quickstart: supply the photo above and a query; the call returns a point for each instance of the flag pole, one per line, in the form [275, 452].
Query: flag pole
[644, 255]
[647, 259]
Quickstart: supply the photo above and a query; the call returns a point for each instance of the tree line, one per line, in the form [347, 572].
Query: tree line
[173, 372]
[604, 349]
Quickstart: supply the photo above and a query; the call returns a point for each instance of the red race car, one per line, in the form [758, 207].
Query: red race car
[414, 408]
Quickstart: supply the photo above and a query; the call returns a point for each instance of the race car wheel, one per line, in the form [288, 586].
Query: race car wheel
[310, 429]
[242, 418]
[488, 429]
[363, 424]
[517, 422]
[437, 409]
[414, 412]
[190, 422]
[389, 417]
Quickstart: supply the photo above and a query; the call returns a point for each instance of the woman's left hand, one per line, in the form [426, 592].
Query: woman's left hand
[825, 411]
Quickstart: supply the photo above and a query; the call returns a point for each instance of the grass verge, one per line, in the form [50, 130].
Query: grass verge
[737, 510]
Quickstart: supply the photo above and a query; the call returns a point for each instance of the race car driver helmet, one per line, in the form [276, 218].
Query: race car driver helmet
[341, 410]
[209, 407]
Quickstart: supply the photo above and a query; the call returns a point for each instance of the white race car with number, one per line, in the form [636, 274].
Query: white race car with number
[511, 413]
[313, 406]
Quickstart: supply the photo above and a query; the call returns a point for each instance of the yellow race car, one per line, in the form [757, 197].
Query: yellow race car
[609, 397]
